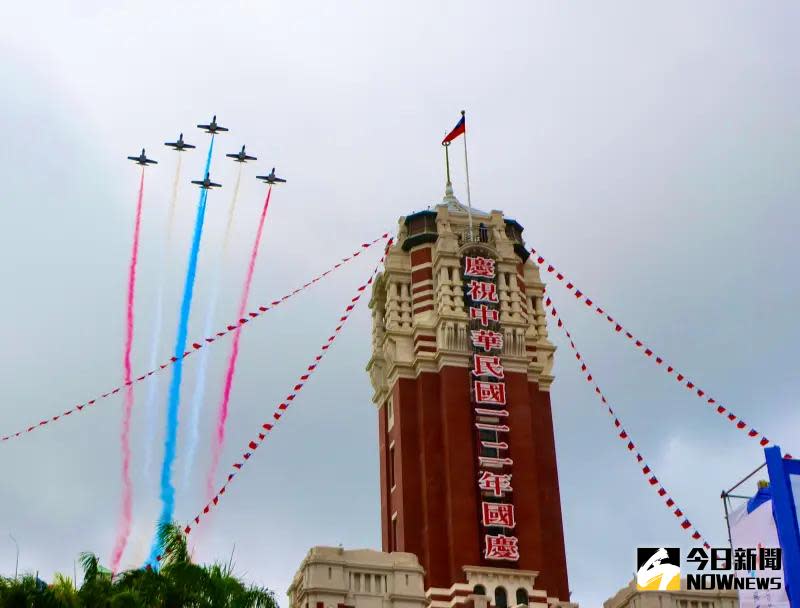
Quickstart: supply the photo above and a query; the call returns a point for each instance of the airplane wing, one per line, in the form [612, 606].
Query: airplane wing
[246, 157]
[278, 179]
[213, 185]
[151, 162]
[232, 155]
[133, 158]
[189, 146]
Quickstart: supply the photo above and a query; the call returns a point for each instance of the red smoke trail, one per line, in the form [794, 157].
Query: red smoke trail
[88, 406]
[222, 412]
[124, 528]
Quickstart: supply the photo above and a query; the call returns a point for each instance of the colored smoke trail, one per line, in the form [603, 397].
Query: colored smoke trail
[173, 405]
[124, 528]
[222, 412]
[155, 342]
[198, 397]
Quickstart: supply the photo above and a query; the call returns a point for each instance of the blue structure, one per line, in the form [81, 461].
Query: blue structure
[784, 510]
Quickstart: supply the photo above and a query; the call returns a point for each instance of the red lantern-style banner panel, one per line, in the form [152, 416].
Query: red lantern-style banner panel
[195, 345]
[281, 408]
[653, 356]
[624, 435]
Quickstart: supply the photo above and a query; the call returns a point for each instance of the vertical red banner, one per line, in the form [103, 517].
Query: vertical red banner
[490, 410]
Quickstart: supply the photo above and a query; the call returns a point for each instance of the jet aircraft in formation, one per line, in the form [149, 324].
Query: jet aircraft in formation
[179, 145]
[241, 156]
[271, 178]
[213, 127]
[206, 184]
[142, 159]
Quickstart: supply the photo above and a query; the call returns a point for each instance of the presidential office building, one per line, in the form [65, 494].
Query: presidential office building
[461, 369]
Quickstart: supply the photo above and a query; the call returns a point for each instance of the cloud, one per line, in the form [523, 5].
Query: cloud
[650, 151]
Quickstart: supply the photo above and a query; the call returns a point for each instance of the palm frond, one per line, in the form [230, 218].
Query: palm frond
[173, 544]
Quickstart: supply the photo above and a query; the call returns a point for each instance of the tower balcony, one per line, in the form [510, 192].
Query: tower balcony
[479, 234]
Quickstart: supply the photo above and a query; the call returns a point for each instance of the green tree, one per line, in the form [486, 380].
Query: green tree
[178, 583]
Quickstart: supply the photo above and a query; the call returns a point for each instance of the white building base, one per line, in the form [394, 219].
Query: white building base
[332, 577]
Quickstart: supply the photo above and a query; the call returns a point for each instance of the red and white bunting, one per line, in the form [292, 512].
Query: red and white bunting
[624, 435]
[281, 408]
[652, 355]
[195, 345]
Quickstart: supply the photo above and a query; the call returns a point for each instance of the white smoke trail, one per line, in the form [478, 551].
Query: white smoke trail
[198, 396]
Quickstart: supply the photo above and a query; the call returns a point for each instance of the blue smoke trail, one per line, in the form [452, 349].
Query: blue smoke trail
[167, 489]
[198, 397]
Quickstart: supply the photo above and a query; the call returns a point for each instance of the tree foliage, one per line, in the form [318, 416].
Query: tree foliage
[178, 583]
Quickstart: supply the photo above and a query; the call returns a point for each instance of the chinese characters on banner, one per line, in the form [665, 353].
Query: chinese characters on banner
[490, 410]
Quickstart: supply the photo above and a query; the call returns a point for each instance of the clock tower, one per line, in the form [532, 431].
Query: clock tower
[461, 370]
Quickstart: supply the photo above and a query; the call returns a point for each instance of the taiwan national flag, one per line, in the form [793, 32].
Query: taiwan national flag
[459, 129]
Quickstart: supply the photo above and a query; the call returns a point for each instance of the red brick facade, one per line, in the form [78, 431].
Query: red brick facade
[435, 499]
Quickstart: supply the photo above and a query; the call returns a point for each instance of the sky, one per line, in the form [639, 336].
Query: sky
[651, 152]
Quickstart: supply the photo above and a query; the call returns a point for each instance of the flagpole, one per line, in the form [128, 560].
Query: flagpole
[466, 166]
[447, 161]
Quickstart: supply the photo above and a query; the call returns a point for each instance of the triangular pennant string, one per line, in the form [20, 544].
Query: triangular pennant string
[197, 345]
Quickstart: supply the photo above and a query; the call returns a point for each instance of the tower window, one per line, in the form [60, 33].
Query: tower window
[389, 414]
[500, 598]
[421, 228]
[522, 597]
[421, 222]
[392, 480]
[513, 231]
[394, 533]
[479, 590]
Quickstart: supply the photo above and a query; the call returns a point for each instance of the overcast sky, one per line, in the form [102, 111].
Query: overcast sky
[650, 152]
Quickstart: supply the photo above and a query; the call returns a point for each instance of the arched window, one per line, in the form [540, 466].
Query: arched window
[500, 598]
[522, 597]
[479, 590]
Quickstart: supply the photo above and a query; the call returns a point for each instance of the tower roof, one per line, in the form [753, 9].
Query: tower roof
[453, 203]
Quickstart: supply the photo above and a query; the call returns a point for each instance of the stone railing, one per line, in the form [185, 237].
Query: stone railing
[478, 235]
